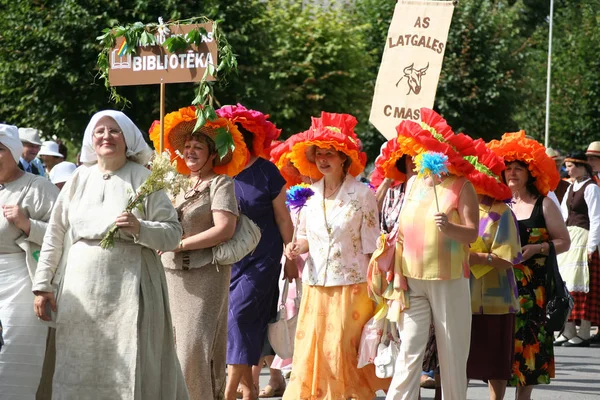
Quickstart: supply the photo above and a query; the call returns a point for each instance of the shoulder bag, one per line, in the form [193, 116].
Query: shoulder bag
[244, 241]
[560, 302]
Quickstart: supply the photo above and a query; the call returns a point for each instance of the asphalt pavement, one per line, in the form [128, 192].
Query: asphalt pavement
[577, 378]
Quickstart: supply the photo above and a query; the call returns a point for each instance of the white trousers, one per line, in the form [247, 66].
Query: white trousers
[448, 303]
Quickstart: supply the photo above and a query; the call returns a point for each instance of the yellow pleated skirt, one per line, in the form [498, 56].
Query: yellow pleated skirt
[328, 333]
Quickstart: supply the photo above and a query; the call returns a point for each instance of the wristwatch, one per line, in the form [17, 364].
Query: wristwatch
[489, 258]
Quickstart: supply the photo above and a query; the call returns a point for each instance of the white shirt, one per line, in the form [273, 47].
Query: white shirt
[592, 199]
[342, 238]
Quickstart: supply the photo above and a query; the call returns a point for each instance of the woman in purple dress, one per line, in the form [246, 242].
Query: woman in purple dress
[253, 291]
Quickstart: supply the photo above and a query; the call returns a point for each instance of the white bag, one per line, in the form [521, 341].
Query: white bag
[387, 353]
[282, 332]
[369, 341]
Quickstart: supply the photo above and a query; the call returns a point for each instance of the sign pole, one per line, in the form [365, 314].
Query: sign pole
[162, 116]
[548, 83]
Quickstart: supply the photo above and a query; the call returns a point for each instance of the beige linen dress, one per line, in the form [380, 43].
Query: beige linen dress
[113, 327]
[199, 294]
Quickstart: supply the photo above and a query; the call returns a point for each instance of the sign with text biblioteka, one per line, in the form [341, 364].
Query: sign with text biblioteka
[154, 64]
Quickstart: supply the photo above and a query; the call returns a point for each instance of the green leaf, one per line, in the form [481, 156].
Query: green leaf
[193, 37]
[147, 39]
[224, 142]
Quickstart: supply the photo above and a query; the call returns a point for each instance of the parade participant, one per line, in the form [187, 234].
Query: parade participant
[563, 184]
[50, 155]
[61, 173]
[198, 289]
[531, 174]
[432, 254]
[30, 138]
[26, 201]
[494, 296]
[593, 157]
[580, 267]
[338, 230]
[113, 325]
[253, 291]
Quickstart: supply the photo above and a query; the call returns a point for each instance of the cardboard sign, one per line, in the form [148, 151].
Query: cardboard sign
[154, 64]
[411, 64]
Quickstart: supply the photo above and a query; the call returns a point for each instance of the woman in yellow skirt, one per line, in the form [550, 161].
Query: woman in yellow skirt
[338, 229]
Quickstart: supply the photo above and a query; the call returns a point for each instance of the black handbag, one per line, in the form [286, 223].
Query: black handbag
[560, 302]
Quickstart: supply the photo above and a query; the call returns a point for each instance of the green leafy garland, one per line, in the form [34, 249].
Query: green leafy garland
[144, 34]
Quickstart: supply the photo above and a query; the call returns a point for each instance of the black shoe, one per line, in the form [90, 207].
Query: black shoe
[583, 343]
[595, 339]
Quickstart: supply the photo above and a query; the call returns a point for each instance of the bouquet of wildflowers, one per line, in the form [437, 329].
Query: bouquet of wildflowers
[163, 176]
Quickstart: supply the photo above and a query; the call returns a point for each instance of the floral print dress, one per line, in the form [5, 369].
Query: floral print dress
[534, 354]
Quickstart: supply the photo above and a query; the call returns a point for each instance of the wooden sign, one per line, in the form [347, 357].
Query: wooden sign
[154, 64]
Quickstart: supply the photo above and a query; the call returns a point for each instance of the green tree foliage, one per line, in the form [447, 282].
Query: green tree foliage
[575, 83]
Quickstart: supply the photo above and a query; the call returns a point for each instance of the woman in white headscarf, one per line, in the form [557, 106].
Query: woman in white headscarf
[113, 325]
[26, 201]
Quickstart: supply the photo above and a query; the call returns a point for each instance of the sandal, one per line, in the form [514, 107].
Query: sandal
[268, 392]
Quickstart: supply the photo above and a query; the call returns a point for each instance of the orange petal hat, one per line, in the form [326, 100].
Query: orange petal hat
[255, 122]
[330, 130]
[516, 147]
[487, 175]
[385, 163]
[280, 153]
[179, 125]
[434, 134]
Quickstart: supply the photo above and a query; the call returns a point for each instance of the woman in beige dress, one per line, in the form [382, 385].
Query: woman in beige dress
[113, 325]
[199, 289]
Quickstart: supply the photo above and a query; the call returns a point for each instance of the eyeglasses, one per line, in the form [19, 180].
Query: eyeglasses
[98, 133]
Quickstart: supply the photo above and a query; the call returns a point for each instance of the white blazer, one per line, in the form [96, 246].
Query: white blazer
[341, 242]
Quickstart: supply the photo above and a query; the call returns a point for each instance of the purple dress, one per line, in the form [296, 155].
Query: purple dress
[254, 289]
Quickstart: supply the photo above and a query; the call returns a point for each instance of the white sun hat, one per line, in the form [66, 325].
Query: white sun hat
[62, 172]
[50, 148]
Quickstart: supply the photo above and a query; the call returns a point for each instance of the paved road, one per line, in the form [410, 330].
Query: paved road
[577, 378]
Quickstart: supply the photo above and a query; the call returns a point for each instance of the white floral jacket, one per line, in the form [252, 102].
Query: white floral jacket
[339, 247]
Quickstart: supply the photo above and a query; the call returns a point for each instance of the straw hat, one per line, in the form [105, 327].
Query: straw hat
[554, 154]
[179, 125]
[593, 149]
[50, 148]
[30, 135]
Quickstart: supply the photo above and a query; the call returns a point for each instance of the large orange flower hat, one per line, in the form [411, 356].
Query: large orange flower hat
[255, 122]
[330, 130]
[232, 152]
[385, 163]
[280, 153]
[434, 134]
[516, 147]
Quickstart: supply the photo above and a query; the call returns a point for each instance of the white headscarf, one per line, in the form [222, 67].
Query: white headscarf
[137, 149]
[9, 136]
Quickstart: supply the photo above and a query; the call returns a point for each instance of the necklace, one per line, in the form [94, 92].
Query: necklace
[335, 191]
[107, 175]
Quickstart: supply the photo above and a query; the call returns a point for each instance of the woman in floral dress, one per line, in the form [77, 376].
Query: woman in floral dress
[531, 174]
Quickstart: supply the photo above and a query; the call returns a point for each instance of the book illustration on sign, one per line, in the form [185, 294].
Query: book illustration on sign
[120, 62]
[413, 78]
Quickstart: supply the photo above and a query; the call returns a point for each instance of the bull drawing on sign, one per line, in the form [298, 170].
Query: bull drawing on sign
[413, 78]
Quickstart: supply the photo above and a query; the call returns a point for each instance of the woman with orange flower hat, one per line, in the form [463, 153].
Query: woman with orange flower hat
[199, 289]
[531, 174]
[338, 230]
[494, 297]
[253, 290]
[432, 255]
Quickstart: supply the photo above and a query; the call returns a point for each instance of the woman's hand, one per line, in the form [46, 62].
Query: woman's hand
[441, 221]
[128, 222]
[529, 250]
[40, 302]
[15, 215]
[292, 250]
[290, 270]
